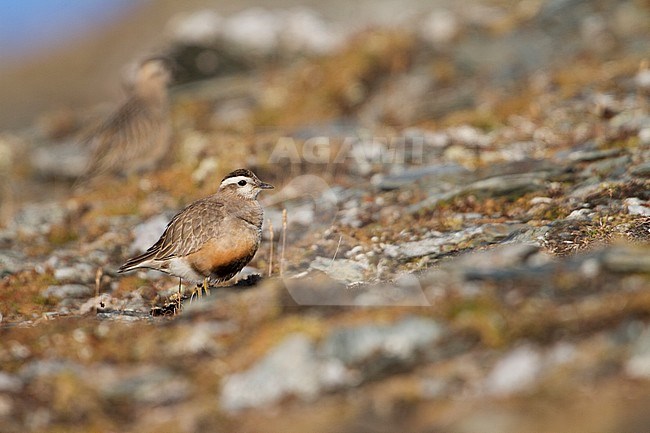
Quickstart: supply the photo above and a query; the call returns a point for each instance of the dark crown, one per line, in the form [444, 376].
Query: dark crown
[240, 172]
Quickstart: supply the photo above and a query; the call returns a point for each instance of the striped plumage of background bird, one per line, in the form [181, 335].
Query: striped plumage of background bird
[137, 136]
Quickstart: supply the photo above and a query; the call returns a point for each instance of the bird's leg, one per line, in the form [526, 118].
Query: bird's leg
[206, 285]
[196, 290]
[178, 301]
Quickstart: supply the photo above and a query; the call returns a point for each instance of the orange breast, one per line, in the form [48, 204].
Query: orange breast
[224, 254]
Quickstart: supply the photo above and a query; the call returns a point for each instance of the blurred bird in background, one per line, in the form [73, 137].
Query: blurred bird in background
[137, 136]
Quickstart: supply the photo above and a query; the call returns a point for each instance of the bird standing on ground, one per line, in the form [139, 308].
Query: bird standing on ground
[137, 136]
[213, 238]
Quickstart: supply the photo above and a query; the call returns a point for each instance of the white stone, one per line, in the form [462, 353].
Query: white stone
[201, 26]
[515, 372]
[291, 368]
[439, 27]
[636, 206]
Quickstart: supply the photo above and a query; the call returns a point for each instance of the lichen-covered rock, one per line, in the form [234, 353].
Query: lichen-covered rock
[291, 368]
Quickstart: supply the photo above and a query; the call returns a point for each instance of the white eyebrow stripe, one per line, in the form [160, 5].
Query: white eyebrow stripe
[235, 179]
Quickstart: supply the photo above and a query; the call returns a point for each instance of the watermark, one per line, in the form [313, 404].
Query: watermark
[339, 150]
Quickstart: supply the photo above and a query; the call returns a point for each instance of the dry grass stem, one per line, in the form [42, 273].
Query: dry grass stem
[271, 248]
[98, 280]
[284, 240]
[337, 249]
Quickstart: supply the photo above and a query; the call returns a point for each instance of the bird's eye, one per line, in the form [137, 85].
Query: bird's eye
[241, 183]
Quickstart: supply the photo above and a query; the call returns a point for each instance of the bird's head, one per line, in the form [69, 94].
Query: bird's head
[152, 77]
[243, 183]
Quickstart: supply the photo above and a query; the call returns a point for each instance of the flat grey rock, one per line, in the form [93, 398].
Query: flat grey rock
[400, 341]
[290, 368]
[148, 232]
[345, 270]
[433, 173]
[12, 262]
[515, 372]
[63, 161]
[485, 234]
[638, 365]
[67, 291]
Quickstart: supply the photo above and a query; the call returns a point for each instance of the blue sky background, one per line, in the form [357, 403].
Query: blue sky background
[29, 26]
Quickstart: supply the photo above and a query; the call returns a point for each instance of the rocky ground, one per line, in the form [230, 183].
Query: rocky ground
[465, 246]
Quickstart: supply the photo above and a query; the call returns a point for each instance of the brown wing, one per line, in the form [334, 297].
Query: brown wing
[192, 228]
[186, 233]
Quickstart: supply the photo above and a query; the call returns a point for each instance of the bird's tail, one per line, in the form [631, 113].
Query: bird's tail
[136, 262]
